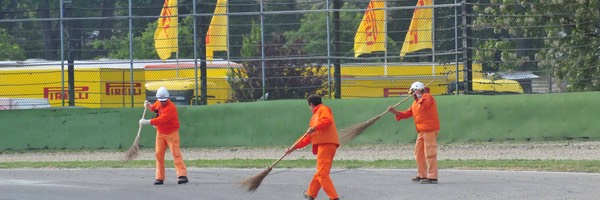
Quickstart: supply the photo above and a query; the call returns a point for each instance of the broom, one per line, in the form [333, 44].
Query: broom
[351, 132]
[134, 150]
[253, 182]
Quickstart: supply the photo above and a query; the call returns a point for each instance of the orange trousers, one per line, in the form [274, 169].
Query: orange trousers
[171, 140]
[426, 155]
[321, 179]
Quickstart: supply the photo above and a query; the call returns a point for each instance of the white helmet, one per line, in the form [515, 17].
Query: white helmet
[162, 94]
[417, 86]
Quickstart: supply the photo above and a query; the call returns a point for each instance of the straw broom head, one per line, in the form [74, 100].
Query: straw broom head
[134, 150]
[351, 132]
[253, 182]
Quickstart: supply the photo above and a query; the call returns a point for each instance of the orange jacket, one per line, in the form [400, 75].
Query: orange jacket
[324, 125]
[425, 112]
[166, 120]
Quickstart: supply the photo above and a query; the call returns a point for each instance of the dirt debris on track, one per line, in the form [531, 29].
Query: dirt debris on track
[567, 150]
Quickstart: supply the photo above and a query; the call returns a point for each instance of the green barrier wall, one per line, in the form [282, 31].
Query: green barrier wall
[268, 123]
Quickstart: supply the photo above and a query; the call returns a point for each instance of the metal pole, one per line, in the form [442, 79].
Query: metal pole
[385, 47]
[229, 70]
[131, 52]
[385, 69]
[262, 47]
[433, 39]
[328, 53]
[177, 39]
[203, 76]
[195, 54]
[62, 53]
[337, 4]
[70, 59]
[227, 36]
[456, 46]
[469, 44]
[465, 47]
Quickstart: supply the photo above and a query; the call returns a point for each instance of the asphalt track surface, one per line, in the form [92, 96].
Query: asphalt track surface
[351, 184]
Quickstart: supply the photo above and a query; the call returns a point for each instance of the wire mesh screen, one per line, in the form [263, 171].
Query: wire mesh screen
[116, 54]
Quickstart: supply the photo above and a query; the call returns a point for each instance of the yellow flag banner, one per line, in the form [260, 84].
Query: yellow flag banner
[370, 36]
[165, 37]
[216, 38]
[419, 32]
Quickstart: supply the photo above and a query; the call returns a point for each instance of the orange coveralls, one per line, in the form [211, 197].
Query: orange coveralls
[424, 111]
[167, 134]
[325, 142]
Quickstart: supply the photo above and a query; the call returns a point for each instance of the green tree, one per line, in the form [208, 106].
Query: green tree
[285, 79]
[240, 25]
[9, 49]
[313, 32]
[143, 45]
[41, 38]
[249, 42]
[569, 32]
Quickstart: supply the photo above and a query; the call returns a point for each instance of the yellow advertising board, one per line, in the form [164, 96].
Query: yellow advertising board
[378, 80]
[94, 86]
[107, 84]
[179, 79]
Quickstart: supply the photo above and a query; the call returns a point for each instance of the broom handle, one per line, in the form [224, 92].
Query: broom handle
[403, 100]
[281, 158]
[383, 113]
[143, 116]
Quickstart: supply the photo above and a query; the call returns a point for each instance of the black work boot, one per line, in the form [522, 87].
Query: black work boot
[158, 182]
[417, 179]
[429, 181]
[182, 180]
[306, 196]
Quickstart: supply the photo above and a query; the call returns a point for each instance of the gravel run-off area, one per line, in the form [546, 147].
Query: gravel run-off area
[566, 150]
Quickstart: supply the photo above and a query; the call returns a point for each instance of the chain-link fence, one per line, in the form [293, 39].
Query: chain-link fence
[116, 53]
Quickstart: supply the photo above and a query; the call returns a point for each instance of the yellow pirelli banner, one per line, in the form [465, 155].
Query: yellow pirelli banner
[94, 86]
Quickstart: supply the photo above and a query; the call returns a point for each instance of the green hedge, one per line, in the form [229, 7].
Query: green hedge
[268, 123]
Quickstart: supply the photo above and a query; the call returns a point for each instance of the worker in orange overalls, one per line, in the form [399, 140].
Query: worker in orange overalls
[323, 135]
[167, 134]
[424, 111]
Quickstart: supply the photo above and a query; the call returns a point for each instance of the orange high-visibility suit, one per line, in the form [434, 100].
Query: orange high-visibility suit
[424, 111]
[167, 134]
[325, 142]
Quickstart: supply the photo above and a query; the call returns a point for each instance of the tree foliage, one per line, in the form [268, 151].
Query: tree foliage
[313, 32]
[9, 49]
[143, 45]
[568, 31]
[285, 79]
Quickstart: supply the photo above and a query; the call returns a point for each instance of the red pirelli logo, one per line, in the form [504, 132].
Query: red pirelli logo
[55, 93]
[122, 88]
[394, 92]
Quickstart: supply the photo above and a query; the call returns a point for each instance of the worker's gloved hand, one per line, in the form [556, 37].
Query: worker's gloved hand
[289, 150]
[144, 122]
[392, 110]
[147, 104]
[310, 130]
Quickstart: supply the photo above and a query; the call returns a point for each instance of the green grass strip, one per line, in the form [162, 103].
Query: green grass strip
[589, 166]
